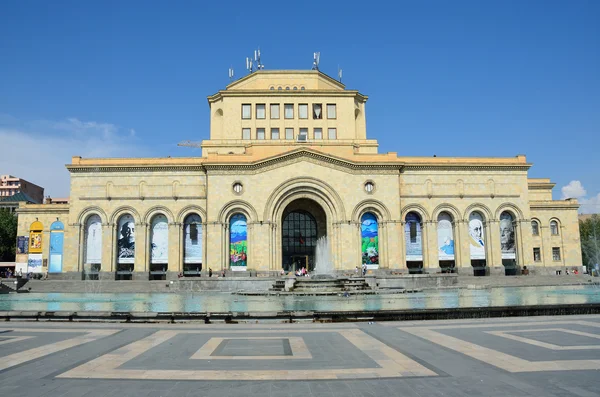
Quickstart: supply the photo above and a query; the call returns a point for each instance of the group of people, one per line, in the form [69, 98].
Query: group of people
[302, 272]
[363, 270]
[10, 274]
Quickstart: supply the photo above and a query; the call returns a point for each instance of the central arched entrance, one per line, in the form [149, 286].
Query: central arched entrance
[303, 223]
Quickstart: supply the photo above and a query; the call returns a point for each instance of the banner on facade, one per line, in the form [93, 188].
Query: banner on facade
[445, 237]
[507, 236]
[160, 240]
[34, 263]
[193, 240]
[412, 231]
[93, 244]
[22, 244]
[35, 242]
[21, 267]
[126, 239]
[476, 236]
[238, 243]
[369, 233]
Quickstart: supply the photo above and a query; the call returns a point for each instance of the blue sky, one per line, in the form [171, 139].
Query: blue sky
[451, 78]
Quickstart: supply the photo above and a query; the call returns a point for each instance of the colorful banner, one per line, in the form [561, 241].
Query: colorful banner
[126, 239]
[238, 242]
[160, 240]
[93, 240]
[445, 237]
[34, 263]
[56, 251]
[412, 232]
[507, 236]
[193, 239]
[476, 236]
[35, 242]
[369, 233]
[22, 245]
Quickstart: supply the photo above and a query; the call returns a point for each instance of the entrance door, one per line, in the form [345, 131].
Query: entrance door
[57, 236]
[299, 241]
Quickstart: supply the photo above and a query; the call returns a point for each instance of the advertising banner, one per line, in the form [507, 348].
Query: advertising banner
[238, 243]
[93, 243]
[126, 239]
[34, 263]
[445, 237]
[412, 231]
[22, 245]
[160, 239]
[35, 242]
[369, 233]
[193, 239]
[507, 236]
[476, 236]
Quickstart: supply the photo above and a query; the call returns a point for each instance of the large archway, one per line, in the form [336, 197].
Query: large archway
[303, 222]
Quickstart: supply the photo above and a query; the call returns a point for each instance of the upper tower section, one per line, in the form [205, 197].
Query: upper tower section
[283, 108]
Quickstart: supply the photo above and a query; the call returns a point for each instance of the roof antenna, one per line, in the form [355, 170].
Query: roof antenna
[249, 65]
[316, 59]
[339, 74]
[259, 65]
[231, 73]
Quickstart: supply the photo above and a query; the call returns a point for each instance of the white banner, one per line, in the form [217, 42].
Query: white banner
[193, 239]
[445, 237]
[160, 239]
[34, 263]
[476, 236]
[93, 243]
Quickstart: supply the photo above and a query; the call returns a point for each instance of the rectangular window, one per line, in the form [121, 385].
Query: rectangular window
[555, 253]
[274, 133]
[331, 111]
[537, 255]
[275, 111]
[246, 133]
[318, 133]
[332, 133]
[413, 232]
[261, 111]
[303, 134]
[246, 111]
[289, 111]
[317, 111]
[303, 111]
[260, 133]
[289, 133]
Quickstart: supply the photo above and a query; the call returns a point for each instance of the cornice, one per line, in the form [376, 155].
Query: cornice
[116, 198]
[74, 169]
[467, 167]
[275, 93]
[50, 209]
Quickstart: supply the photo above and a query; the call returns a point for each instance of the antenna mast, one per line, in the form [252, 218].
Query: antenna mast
[316, 60]
[339, 74]
[231, 73]
[250, 62]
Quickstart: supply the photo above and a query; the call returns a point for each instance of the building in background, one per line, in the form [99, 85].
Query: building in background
[11, 185]
[289, 163]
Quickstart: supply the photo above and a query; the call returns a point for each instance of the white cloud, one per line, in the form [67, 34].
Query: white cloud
[576, 190]
[38, 151]
[573, 190]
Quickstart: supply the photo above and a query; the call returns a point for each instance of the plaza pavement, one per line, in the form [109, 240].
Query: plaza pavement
[536, 356]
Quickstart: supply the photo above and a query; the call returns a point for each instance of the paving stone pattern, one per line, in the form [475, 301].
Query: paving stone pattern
[542, 356]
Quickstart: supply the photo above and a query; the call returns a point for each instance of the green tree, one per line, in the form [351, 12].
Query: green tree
[8, 235]
[589, 231]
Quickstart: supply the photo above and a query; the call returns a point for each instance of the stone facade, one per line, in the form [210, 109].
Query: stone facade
[332, 177]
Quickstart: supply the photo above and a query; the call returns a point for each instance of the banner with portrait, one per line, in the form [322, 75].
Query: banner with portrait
[507, 236]
[126, 239]
[192, 239]
[160, 240]
[445, 237]
[412, 231]
[476, 236]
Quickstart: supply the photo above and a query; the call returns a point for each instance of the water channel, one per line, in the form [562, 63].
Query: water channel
[226, 302]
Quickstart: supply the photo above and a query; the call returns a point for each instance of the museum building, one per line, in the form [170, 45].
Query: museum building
[289, 163]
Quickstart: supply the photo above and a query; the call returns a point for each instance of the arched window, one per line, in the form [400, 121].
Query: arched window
[476, 236]
[93, 240]
[126, 239]
[57, 234]
[445, 237]
[238, 242]
[369, 233]
[192, 243]
[535, 228]
[412, 232]
[554, 228]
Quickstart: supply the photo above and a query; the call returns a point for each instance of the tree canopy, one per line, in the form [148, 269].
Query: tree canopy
[589, 231]
[8, 235]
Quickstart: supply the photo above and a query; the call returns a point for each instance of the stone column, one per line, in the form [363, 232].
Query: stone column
[402, 244]
[174, 263]
[429, 239]
[494, 253]
[142, 242]
[462, 247]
